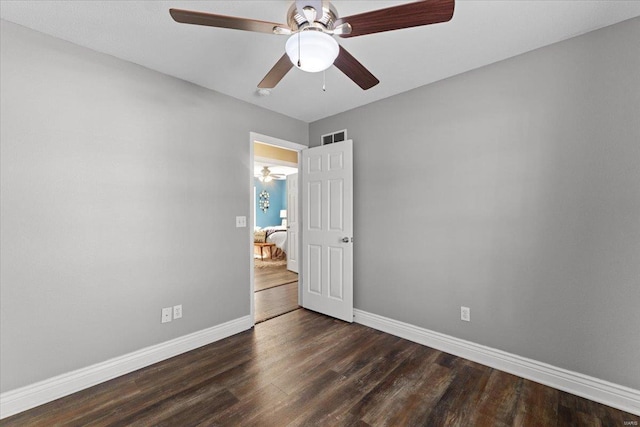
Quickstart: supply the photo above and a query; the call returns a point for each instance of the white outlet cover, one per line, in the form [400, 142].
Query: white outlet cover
[166, 315]
[177, 311]
[465, 314]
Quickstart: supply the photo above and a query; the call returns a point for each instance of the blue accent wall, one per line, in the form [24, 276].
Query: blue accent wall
[277, 190]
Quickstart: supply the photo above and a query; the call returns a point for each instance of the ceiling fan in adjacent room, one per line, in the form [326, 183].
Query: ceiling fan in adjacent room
[265, 175]
[311, 26]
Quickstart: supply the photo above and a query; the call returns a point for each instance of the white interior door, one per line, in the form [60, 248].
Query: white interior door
[293, 227]
[327, 229]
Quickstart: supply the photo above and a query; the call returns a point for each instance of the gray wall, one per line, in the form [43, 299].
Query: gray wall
[120, 188]
[513, 189]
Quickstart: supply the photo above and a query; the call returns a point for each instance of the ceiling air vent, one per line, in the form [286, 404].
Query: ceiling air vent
[338, 136]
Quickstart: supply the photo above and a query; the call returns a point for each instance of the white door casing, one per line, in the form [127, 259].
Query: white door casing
[327, 229]
[293, 232]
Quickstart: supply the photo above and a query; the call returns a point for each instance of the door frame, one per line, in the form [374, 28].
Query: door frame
[277, 142]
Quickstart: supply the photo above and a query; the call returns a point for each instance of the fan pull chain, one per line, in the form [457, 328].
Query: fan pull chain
[324, 81]
[299, 50]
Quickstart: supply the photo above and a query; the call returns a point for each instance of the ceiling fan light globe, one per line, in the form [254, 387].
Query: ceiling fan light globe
[317, 50]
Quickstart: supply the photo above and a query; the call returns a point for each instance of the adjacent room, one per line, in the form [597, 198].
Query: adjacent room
[275, 241]
[313, 212]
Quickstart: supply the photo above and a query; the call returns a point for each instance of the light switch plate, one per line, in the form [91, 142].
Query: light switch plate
[241, 221]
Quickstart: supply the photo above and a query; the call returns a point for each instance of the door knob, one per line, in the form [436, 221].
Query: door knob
[345, 240]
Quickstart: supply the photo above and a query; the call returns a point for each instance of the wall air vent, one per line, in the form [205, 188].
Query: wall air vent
[338, 136]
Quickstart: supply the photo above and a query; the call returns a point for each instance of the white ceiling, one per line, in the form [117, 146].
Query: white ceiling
[233, 62]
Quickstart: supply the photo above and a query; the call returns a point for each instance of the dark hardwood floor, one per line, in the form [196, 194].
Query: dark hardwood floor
[303, 368]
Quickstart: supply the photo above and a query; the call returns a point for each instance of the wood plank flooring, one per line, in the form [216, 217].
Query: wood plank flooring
[269, 277]
[276, 292]
[303, 368]
[276, 301]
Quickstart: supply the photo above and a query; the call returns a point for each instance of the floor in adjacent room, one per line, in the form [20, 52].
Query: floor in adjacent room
[303, 368]
[276, 291]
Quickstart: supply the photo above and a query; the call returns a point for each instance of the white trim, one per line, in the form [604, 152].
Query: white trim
[615, 395]
[15, 401]
[252, 220]
[276, 142]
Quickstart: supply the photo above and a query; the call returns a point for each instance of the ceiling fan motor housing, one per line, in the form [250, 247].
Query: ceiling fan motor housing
[324, 22]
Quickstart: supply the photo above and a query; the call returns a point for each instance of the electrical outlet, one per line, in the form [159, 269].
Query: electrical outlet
[465, 314]
[166, 314]
[241, 221]
[177, 311]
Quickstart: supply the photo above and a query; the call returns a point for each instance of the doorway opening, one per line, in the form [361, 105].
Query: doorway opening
[274, 211]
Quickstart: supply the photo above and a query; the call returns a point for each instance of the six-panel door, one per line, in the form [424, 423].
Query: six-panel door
[327, 235]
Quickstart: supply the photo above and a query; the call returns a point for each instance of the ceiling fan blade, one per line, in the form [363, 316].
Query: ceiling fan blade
[353, 69]
[222, 21]
[276, 74]
[397, 17]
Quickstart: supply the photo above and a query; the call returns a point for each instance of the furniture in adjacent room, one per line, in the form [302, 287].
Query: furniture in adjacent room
[265, 245]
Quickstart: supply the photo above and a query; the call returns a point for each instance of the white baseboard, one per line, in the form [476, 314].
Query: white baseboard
[614, 395]
[15, 401]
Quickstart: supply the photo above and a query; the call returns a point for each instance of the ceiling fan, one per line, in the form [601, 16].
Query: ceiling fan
[265, 175]
[311, 25]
